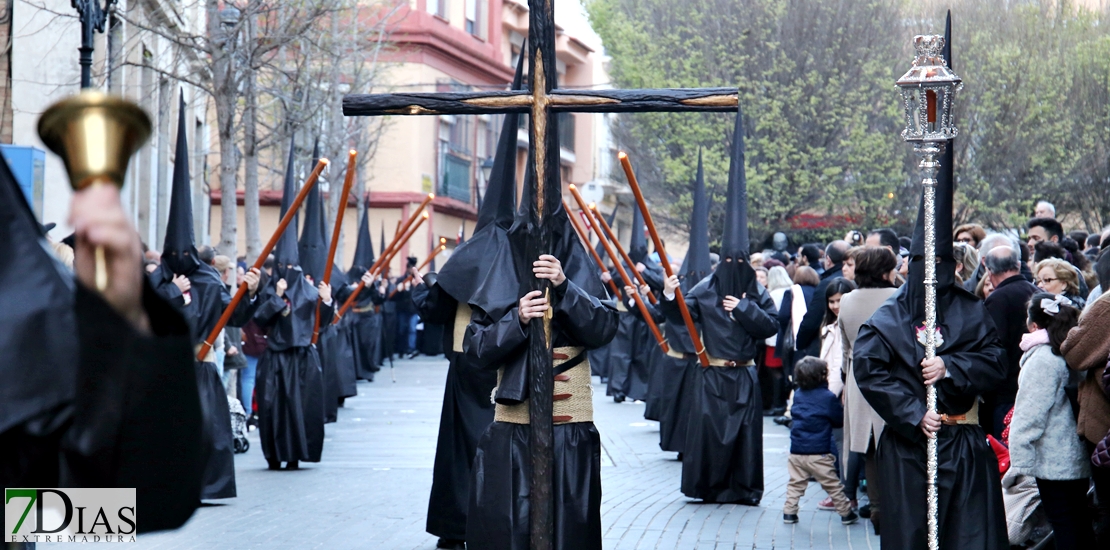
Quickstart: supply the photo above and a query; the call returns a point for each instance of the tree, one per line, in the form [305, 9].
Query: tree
[256, 60]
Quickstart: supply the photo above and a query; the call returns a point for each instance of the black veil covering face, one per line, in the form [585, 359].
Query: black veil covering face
[734, 275]
[697, 266]
[470, 262]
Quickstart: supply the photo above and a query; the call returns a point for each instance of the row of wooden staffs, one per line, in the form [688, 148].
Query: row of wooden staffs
[618, 256]
[400, 238]
[419, 216]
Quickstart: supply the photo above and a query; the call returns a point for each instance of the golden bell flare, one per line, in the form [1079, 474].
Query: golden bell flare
[95, 134]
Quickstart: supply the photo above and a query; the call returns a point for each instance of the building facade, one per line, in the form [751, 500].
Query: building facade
[42, 64]
[460, 45]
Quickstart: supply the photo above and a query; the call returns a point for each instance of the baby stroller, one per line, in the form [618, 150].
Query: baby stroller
[239, 442]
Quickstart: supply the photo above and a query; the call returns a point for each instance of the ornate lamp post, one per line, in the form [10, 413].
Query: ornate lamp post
[928, 91]
[92, 17]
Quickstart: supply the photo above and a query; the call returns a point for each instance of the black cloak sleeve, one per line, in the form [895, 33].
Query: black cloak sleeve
[137, 420]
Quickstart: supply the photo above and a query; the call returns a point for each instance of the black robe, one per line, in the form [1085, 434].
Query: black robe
[367, 332]
[675, 380]
[498, 517]
[289, 387]
[886, 362]
[133, 421]
[467, 412]
[723, 456]
[336, 359]
[629, 355]
[208, 297]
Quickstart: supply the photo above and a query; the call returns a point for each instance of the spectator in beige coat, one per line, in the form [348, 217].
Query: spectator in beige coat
[875, 276]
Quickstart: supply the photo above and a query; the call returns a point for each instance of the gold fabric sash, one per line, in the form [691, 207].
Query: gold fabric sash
[572, 393]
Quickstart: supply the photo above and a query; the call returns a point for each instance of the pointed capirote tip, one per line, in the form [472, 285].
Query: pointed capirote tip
[622, 155]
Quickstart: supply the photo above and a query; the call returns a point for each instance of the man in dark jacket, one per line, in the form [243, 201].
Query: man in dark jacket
[1006, 306]
[808, 342]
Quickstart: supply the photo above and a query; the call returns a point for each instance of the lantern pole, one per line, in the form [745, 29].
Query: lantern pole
[930, 166]
[928, 90]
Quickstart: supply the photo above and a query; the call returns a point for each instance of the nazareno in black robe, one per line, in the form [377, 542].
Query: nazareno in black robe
[467, 412]
[337, 356]
[675, 380]
[629, 355]
[498, 516]
[289, 388]
[723, 455]
[207, 298]
[886, 362]
[366, 329]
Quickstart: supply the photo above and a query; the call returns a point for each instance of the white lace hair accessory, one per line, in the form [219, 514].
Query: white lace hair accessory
[1051, 306]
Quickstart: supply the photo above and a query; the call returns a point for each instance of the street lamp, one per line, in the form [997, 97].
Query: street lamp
[92, 17]
[486, 168]
[928, 90]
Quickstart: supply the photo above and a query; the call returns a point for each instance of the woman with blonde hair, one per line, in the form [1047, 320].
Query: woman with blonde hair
[774, 402]
[1059, 277]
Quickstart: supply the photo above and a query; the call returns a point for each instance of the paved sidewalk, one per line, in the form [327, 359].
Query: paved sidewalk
[371, 489]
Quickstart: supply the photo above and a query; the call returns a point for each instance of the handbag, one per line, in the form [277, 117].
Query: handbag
[1101, 457]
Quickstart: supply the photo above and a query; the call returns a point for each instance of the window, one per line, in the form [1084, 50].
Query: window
[474, 23]
[438, 7]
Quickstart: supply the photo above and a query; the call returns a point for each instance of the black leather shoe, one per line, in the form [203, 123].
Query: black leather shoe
[273, 465]
[451, 544]
[292, 465]
[865, 511]
[783, 421]
[790, 518]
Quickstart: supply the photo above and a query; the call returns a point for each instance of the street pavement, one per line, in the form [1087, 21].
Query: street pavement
[371, 489]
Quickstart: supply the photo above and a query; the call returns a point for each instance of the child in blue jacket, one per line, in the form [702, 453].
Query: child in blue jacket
[816, 411]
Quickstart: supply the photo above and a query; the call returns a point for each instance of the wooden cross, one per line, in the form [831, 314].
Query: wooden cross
[542, 101]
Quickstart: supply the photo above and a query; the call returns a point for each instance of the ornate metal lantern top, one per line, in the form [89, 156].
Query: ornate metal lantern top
[929, 89]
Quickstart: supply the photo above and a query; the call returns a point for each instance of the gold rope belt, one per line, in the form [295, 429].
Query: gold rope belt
[713, 361]
[969, 417]
[572, 394]
[210, 358]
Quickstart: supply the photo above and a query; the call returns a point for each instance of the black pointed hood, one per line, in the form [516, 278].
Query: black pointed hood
[313, 245]
[38, 326]
[697, 265]
[286, 253]
[381, 247]
[637, 244]
[364, 247]
[734, 275]
[500, 202]
[470, 262]
[179, 252]
[913, 293]
[600, 248]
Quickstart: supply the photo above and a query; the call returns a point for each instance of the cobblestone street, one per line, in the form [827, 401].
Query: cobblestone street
[371, 489]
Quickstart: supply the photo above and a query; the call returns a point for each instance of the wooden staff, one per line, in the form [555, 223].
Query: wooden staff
[617, 246]
[383, 261]
[384, 253]
[226, 316]
[624, 275]
[703, 357]
[442, 246]
[586, 242]
[347, 182]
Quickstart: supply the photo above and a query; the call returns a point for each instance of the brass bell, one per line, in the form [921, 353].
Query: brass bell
[95, 134]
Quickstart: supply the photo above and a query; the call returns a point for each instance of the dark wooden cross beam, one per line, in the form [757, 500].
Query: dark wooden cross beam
[541, 101]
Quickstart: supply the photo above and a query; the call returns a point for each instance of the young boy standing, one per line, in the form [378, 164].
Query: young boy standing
[816, 412]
